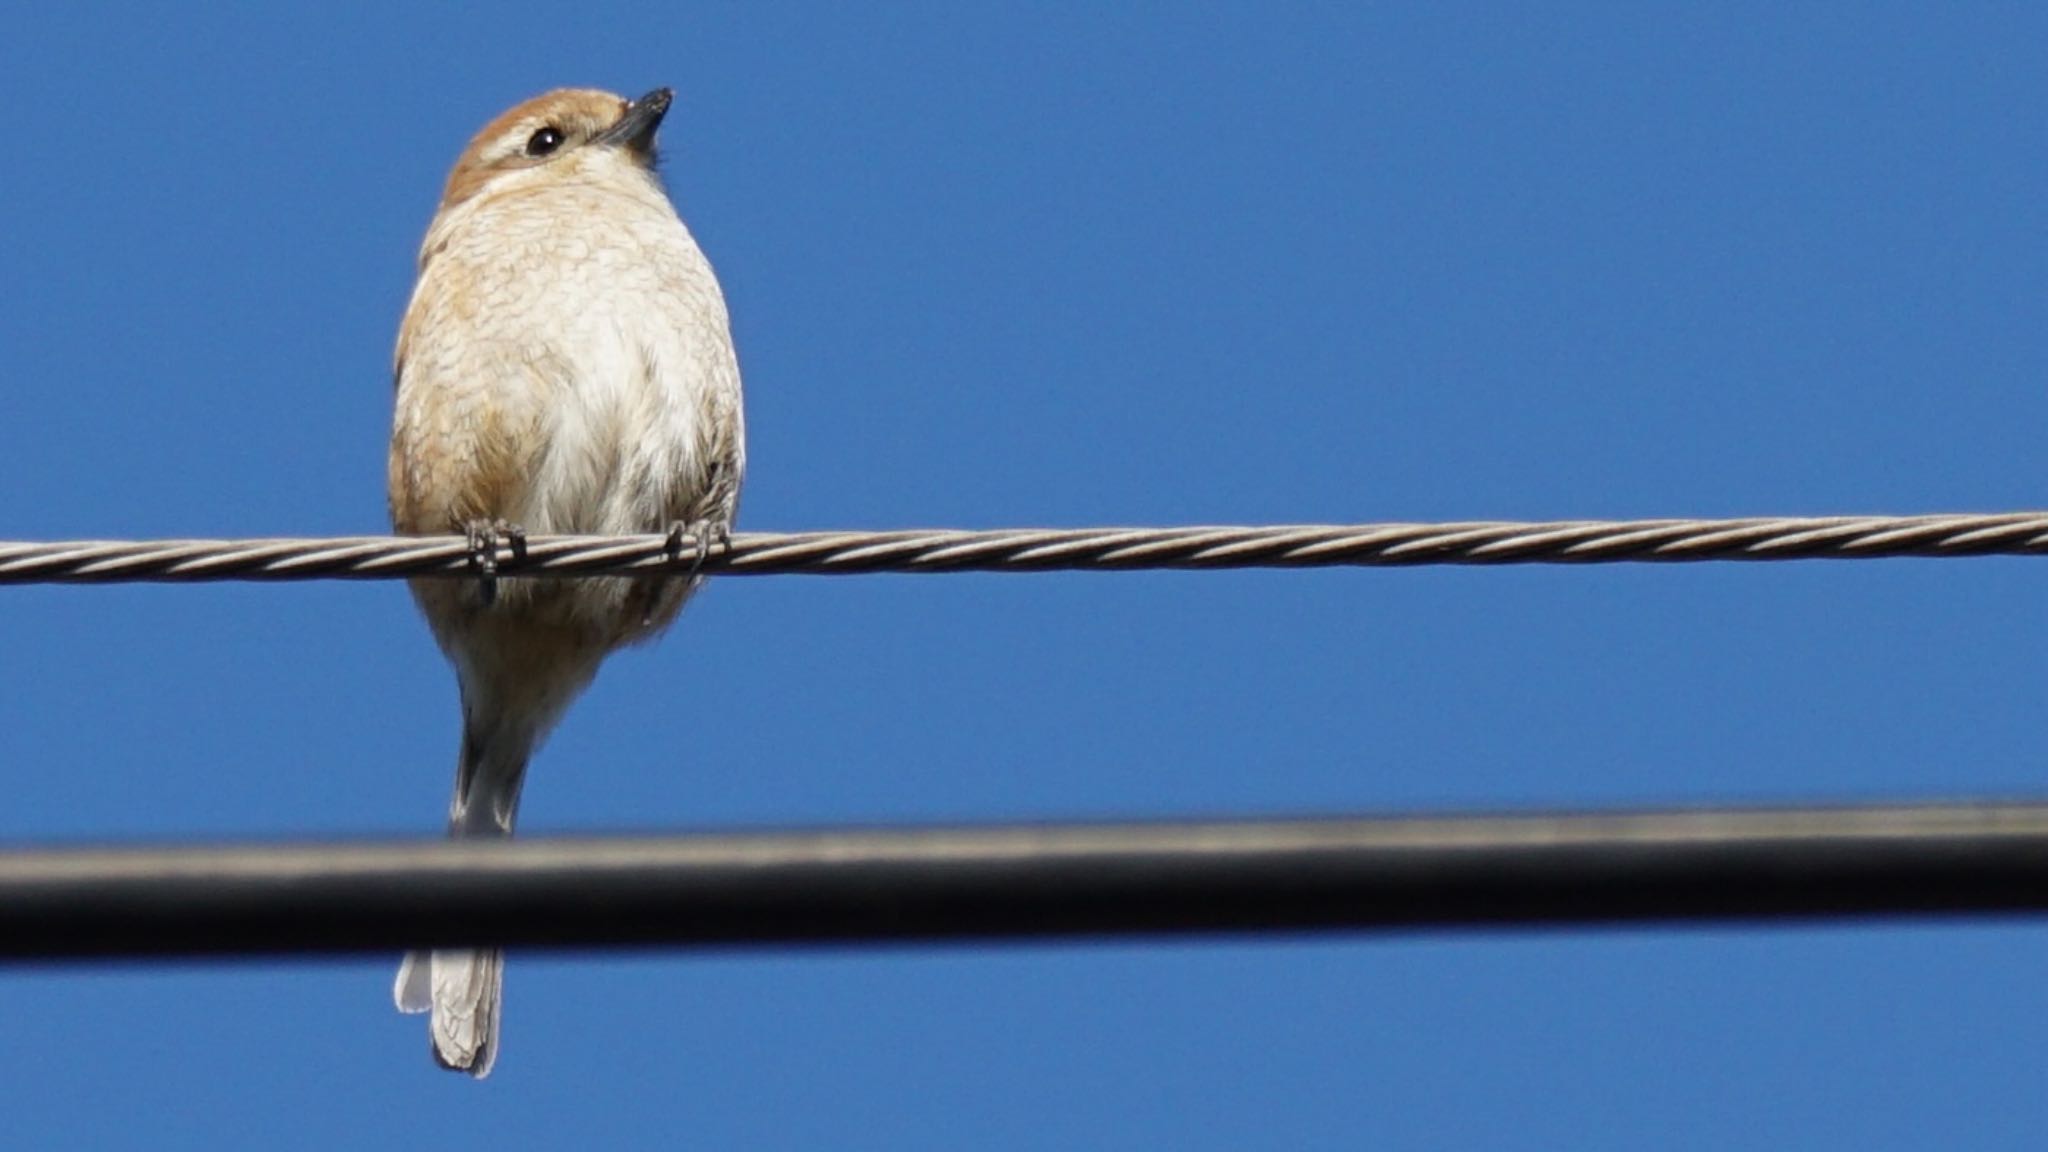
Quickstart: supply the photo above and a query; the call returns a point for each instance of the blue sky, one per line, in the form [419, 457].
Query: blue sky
[1049, 265]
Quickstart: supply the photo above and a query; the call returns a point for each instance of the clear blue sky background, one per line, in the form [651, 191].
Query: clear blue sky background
[1054, 266]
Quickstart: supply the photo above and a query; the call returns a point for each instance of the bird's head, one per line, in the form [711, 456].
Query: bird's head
[570, 134]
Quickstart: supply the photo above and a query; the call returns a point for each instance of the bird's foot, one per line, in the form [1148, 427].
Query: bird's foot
[483, 552]
[705, 533]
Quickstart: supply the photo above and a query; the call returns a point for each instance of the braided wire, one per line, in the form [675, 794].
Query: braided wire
[1036, 549]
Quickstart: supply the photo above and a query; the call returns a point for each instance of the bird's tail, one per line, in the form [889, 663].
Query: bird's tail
[463, 988]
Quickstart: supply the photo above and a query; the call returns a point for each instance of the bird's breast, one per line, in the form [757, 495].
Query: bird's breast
[588, 331]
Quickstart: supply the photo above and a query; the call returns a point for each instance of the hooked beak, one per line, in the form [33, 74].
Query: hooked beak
[635, 130]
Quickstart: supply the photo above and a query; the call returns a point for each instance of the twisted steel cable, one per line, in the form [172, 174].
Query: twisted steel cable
[1037, 549]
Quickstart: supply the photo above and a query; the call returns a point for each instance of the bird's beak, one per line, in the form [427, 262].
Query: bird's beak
[635, 130]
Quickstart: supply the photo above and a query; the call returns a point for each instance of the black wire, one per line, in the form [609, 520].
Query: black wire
[1032, 882]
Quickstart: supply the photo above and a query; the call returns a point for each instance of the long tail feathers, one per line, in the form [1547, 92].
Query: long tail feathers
[463, 990]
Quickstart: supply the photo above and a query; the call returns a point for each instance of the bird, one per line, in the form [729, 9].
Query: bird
[565, 365]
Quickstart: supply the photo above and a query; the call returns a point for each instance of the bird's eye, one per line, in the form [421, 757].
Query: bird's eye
[544, 141]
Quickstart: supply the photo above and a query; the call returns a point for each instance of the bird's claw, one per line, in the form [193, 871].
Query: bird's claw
[705, 533]
[483, 552]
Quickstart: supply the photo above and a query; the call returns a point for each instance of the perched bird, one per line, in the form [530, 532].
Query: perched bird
[565, 366]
